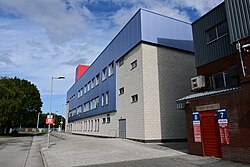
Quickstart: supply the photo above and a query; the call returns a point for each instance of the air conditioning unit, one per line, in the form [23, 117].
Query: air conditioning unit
[198, 82]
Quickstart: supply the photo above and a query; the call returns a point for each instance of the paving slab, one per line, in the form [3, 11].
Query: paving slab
[75, 150]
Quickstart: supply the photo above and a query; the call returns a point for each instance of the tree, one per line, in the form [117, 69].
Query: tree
[20, 103]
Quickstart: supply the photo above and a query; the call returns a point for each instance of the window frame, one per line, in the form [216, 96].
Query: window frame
[216, 28]
[134, 98]
[111, 69]
[133, 65]
[121, 91]
[97, 79]
[121, 62]
[104, 74]
[106, 98]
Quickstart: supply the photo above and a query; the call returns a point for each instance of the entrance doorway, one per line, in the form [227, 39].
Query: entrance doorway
[122, 128]
[210, 134]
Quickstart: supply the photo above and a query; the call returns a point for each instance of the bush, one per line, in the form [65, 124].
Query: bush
[14, 133]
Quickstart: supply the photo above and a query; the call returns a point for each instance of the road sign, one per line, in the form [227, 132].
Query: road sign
[49, 121]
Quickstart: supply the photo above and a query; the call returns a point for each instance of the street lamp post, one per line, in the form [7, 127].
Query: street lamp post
[37, 123]
[51, 92]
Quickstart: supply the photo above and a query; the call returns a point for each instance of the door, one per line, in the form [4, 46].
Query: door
[210, 134]
[122, 128]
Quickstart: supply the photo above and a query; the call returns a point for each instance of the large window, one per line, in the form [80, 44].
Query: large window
[228, 78]
[85, 89]
[88, 87]
[92, 83]
[111, 69]
[79, 110]
[97, 79]
[104, 73]
[217, 32]
[94, 103]
[106, 98]
[86, 107]
[102, 100]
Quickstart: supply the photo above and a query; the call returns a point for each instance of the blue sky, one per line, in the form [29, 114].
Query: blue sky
[45, 38]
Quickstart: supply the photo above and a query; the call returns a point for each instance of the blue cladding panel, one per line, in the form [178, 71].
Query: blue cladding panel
[166, 31]
[144, 26]
[126, 39]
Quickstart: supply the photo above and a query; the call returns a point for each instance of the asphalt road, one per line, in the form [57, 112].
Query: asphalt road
[16, 152]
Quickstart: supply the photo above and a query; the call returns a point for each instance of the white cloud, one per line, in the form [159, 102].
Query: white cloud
[44, 38]
[202, 6]
[61, 24]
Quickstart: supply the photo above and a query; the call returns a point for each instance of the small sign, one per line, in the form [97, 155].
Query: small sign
[208, 107]
[223, 125]
[50, 116]
[196, 126]
[49, 121]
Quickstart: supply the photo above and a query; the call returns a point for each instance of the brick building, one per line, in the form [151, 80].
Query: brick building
[130, 90]
[218, 114]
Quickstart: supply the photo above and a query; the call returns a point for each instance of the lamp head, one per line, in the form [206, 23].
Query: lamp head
[59, 77]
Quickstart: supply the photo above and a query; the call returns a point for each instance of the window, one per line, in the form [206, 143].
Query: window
[78, 94]
[93, 83]
[104, 73]
[81, 92]
[97, 102]
[74, 112]
[211, 34]
[111, 69]
[85, 89]
[91, 126]
[108, 118]
[94, 103]
[219, 80]
[86, 107]
[98, 124]
[97, 79]
[79, 110]
[103, 120]
[133, 64]
[106, 98]
[134, 98]
[121, 62]
[85, 125]
[228, 78]
[95, 125]
[88, 87]
[217, 32]
[222, 29]
[121, 91]
[102, 99]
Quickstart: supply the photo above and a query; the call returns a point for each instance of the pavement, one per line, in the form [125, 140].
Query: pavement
[21, 151]
[69, 150]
